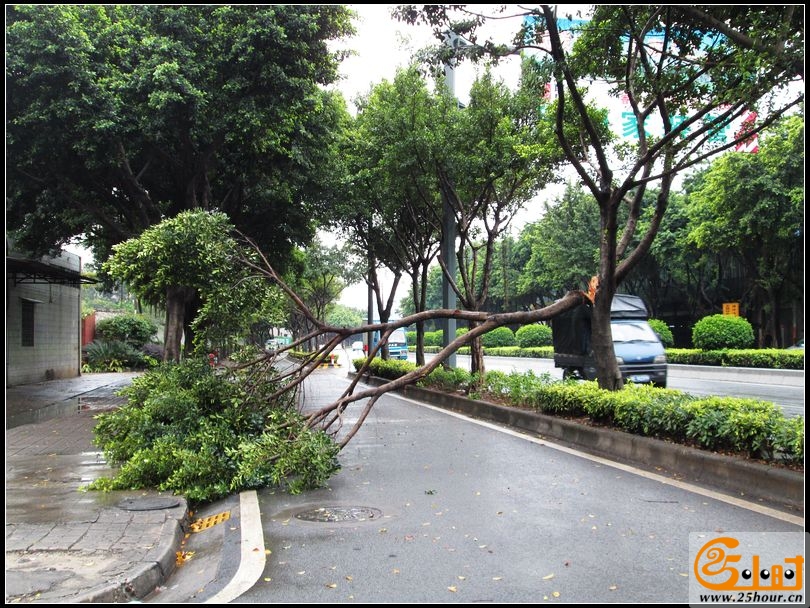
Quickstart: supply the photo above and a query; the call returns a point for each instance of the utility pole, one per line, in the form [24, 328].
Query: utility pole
[449, 229]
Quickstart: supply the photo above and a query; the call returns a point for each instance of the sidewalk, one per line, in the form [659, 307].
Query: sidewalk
[64, 545]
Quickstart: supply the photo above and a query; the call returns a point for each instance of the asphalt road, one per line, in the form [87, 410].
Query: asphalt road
[431, 507]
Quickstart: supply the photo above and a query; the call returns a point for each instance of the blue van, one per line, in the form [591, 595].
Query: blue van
[638, 349]
[397, 344]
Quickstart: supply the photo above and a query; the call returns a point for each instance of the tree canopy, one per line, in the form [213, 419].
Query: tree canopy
[119, 116]
[692, 71]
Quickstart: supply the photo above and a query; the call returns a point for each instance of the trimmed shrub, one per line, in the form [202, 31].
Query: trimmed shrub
[448, 379]
[434, 338]
[500, 336]
[663, 332]
[756, 428]
[533, 335]
[717, 332]
[135, 330]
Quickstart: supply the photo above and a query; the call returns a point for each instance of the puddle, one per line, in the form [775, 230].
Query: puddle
[60, 409]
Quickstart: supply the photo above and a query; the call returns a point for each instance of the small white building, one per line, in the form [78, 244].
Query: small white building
[43, 317]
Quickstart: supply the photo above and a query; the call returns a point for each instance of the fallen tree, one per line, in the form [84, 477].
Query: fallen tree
[329, 418]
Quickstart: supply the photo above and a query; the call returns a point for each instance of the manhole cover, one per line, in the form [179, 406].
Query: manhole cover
[148, 504]
[336, 514]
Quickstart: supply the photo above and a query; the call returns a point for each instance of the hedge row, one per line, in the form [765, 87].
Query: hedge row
[767, 358]
[757, 429]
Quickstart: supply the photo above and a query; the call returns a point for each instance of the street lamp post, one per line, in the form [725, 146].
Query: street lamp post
[449, 229]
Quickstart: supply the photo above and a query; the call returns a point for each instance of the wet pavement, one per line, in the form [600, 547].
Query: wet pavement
[65, 545]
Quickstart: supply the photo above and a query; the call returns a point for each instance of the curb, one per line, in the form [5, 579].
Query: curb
[153, 571]
[751, 481]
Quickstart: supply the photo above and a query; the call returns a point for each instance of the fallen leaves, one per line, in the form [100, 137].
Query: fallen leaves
[183, 556]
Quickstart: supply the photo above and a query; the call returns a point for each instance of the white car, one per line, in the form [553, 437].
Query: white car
[357, 348]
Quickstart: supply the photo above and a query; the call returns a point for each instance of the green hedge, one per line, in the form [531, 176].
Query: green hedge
[767, 358]
[533, 335]
[757, 429]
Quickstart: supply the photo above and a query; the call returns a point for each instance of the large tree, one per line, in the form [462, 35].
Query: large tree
[752, 207]
[191, 256]
[394, 168]
[491, 157]
[119, 116]
[692, 71]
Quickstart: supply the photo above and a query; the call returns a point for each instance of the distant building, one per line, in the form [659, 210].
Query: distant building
[43, 317]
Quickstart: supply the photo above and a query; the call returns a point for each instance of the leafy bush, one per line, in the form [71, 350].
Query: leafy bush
[756, 428]
[663, 332]
[448, 379]
[190, 431]
[716, 332]
[135, 330]
[520, 388]
[434, 338]
[391, 369]
[113, 356]
[744, 425]
[529, 336]
[500, 336]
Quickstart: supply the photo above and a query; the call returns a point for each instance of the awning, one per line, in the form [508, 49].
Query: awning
[33, 271]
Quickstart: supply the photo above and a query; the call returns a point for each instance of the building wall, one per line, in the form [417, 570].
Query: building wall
[56, 351]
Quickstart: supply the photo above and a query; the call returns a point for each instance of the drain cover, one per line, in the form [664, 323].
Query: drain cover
[336, 514]
[148, 504]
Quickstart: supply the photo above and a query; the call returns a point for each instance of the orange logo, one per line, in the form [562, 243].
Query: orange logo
[716, 569]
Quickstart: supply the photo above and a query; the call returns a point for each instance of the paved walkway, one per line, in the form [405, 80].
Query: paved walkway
[64, 545]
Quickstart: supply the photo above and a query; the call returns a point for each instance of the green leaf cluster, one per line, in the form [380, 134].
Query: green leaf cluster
[750, 427]
[135, 330]
[533, 335]
[663, 332]
[717, 332]
[191, 431]
[500, 336]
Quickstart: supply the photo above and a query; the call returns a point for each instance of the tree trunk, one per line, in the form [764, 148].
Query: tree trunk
[419, 289]
[420, 344]
[607, 368]
[477, 355]
[192, 307]
[774, 328]
[176, 298]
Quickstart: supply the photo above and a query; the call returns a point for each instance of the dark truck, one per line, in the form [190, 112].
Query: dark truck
[639, 351]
